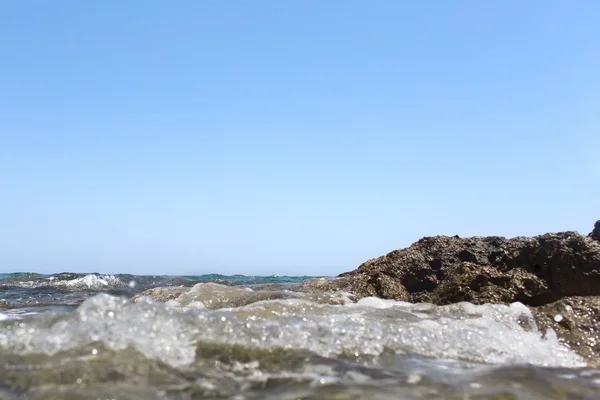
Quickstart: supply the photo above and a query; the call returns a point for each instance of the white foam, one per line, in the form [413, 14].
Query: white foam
[153, 329]
[375, 302]
[92, 282]
[493, 334]
[87, 282]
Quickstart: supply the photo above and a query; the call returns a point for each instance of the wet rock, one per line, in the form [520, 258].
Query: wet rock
[576, 321]
[161, 293]
[442, 270]
[361, 285]
[595, 234]
[556, 274]
[213, 296]
[6, 305]
[66, 276]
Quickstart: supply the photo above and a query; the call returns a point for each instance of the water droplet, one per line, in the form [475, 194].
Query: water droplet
[132, 284]
[94, 351]
[413, 378]
[558, 317]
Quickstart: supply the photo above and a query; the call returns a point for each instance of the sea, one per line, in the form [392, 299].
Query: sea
[92, 336]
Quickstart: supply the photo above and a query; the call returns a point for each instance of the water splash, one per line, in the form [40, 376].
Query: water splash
[491, 334]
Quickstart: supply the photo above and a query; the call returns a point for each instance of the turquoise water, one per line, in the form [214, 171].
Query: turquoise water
[247, 278]
[17, 274]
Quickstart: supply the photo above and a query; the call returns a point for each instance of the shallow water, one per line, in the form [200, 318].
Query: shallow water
[80, 337]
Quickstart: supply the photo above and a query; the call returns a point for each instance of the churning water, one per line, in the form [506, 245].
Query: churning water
[72, 336]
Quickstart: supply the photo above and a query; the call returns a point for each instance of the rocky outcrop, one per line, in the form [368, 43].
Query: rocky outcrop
[443, 270]
[557, 275]
[595, 234]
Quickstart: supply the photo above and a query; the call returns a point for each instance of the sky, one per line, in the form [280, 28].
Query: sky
[289, 137]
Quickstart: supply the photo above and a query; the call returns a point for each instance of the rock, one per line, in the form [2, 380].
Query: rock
[213, 296]
[442, 270]
[362, 285]
[576, 321]
[595, 234]
[6, 305]
[161, 293]
[556, 274]
[484, 284]
[66, 276]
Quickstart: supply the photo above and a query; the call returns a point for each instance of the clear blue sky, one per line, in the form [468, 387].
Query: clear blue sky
[290, 137]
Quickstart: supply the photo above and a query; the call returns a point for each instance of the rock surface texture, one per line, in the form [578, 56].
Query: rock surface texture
[442, 270]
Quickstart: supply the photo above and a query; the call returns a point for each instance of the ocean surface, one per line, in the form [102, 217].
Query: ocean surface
[80, 336]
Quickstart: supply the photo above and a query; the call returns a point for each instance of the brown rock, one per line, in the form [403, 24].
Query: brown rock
[595, 234]
[362, 285]
[441, 269]
[576, 321]
[556, 274]
[484, 284]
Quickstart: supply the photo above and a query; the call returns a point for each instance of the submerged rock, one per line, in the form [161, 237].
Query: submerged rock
[213, 296]
[362, 285]
[161, 293]
[66, 276]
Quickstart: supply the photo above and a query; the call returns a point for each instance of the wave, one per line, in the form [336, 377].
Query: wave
[484, 334]
[66, 280]
[217, 341]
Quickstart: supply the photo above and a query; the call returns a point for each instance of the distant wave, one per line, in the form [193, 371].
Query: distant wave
[65, 280]
[95, 281]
